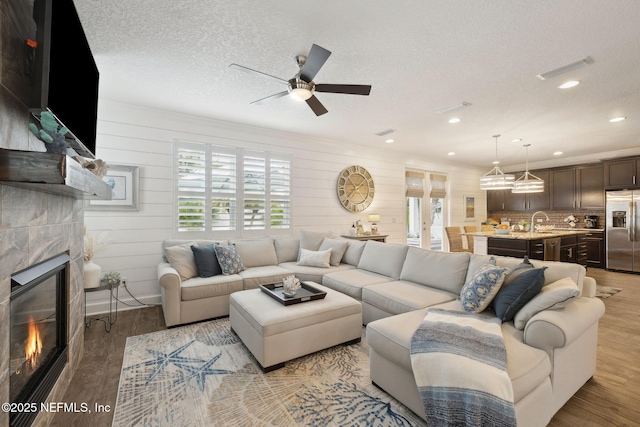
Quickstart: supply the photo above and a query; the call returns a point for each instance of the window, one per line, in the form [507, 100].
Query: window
[227, 190]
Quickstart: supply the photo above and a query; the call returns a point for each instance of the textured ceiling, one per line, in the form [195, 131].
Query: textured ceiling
[419, 57]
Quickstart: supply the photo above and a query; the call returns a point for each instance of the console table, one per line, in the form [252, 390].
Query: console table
[376, 237]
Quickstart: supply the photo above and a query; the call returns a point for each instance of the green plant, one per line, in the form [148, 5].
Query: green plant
[111, 278]
[50, 133]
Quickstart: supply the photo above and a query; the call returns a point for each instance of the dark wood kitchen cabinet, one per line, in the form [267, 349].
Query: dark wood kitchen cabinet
[534, 249]
[563, 188]
[622, 174]
[595, 249]
[509, 201]
[590, 187]
[568, 249]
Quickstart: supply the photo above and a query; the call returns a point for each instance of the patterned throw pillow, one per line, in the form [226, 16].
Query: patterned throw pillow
[229, 260]
[478, 292]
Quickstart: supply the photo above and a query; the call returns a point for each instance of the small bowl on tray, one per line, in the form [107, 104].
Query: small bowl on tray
[502, 231]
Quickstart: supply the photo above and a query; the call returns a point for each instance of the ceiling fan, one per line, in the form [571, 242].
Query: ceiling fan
[302, 85]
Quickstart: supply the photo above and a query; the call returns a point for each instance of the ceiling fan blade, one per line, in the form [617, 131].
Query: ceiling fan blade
[271, 97]
[316, 106]
[252, 71]
[316, 59]
[347, 89]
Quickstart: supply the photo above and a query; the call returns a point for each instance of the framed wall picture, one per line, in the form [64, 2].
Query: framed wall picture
[123, 181]
[469, 203]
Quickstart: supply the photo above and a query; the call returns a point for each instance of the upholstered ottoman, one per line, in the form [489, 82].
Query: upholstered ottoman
[275, 333]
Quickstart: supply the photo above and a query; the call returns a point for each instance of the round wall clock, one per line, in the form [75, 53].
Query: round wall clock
[355, 188]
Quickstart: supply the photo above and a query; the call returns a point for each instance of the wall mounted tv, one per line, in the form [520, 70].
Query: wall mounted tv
[65, 78]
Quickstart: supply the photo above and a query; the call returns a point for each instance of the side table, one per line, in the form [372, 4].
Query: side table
[377, 237]
[107, 319]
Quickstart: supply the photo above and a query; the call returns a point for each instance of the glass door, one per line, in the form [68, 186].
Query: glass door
[425, 210]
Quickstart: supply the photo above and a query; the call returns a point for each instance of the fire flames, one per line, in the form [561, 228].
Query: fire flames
[33, 346]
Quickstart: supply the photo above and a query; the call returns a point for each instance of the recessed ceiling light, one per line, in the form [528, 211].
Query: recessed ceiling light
[558, 153]
[517, 140]
[451, 153]
[617, 119]
[389, 141]
[454, 120]
[567, 85]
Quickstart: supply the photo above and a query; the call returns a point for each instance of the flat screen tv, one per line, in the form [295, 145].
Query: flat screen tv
[65, 76]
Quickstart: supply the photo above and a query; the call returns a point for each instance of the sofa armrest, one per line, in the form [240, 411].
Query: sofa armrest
[588, 287]
[170, 282]
[551, 329]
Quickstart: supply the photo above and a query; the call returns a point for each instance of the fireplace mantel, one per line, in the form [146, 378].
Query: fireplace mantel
[50, 173]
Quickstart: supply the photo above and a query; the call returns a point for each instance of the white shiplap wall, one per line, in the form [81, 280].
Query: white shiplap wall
[135, 136]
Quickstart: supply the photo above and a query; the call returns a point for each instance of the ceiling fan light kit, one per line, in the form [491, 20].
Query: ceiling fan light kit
[302, 87]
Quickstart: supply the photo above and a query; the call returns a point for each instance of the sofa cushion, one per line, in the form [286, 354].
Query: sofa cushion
[206, 260]
[441, 270]
[519, 287]
[338, 248]
[229, 260]
[353, 252]
[311, 240]
[287, 248]
[256, 252]
[312, 274]
[552, 296]
[315, 258]
[181, 259]
[383, 258]
[255, 276]
[401, 296]
[527, 366]
[479, 291]
[352, 281]
[175, 242]
[206, 287]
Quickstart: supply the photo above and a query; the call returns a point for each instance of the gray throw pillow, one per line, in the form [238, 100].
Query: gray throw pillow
[338, 248]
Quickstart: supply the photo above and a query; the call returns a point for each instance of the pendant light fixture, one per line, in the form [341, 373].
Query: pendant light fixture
[495, 179]
[528, 183]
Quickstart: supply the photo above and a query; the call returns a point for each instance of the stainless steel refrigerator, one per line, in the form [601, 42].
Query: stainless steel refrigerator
[623, 233]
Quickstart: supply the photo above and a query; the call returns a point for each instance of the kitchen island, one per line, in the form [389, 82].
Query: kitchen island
[555, 245]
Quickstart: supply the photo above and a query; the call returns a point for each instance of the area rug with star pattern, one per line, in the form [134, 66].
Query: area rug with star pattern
[202, 375]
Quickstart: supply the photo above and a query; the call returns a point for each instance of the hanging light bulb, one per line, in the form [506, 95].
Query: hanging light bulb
[528, 183]
[495, 179]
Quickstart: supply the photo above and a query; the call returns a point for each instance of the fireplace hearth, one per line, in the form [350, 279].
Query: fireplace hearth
[38, 337]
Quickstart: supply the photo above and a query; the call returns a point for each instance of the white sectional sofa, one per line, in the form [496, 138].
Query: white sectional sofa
[548, 360]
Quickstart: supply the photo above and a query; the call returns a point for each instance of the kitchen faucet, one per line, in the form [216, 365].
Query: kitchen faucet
[533, 216]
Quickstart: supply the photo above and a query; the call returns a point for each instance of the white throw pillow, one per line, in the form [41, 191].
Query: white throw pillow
[338, 248]
[181, 258]
[315, 258]
[552, 296]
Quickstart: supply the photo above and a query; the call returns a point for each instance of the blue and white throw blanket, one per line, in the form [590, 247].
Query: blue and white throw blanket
[460, 366]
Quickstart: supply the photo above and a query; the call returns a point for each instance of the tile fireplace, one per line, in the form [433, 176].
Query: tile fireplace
[38, 337]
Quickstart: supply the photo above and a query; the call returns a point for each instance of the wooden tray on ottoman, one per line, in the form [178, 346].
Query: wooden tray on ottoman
[304, 294]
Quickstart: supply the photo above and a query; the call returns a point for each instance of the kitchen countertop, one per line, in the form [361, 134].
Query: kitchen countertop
[525, 235]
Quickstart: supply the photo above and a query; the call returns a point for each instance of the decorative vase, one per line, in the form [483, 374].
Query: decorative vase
[92, 273]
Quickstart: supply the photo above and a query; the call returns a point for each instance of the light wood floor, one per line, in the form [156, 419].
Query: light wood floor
[610, 398]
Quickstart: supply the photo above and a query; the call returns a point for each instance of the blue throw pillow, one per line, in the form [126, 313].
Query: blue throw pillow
[478, 292]
[206, 261]
[229, 260]
[518, 289]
